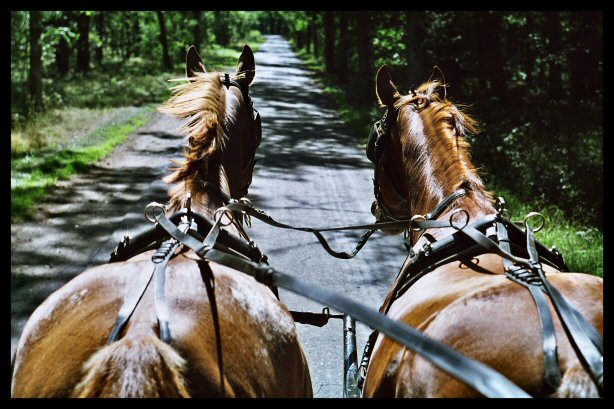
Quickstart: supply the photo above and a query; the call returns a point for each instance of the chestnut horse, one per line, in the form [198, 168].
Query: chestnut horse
[62, 351]
[468, 304]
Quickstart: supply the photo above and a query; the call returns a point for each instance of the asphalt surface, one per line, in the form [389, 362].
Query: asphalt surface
[311, 171]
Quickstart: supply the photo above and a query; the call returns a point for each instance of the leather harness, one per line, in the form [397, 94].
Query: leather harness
[490, 235]
[211, 243]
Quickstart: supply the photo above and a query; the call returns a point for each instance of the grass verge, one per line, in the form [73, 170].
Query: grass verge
[580, 245]
[34, 173]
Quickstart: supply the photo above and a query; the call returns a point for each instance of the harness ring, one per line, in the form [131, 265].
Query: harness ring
[535, 214]
[466, 219]
[221, 211]
[150, 211]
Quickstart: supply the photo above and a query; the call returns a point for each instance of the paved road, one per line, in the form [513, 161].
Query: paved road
[311, 170]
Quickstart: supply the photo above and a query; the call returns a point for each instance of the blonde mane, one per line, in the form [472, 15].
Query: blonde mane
[202, 101]
[445, 126]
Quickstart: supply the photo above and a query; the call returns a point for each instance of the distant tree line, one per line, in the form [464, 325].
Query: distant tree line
[55, 44]
[534, 79]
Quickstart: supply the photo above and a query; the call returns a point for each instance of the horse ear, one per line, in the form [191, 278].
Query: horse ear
[193, 63]
[247, 65]
[387, 93]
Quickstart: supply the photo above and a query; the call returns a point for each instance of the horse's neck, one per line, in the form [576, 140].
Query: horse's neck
[205, 194]
[476, 202]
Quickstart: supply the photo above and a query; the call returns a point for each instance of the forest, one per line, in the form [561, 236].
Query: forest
[532, 79]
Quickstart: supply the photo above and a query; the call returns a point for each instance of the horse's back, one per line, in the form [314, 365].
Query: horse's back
[262, 356]
[487, 317]
[261, 353]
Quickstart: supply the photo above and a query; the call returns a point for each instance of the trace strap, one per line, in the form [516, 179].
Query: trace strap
[475, 374]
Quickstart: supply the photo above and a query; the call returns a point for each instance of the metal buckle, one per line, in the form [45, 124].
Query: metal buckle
[501, 208]
[418, 217]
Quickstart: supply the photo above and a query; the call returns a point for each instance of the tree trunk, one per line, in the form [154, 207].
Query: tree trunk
[62, 57]
[35, 75]
[83, 43]
[100, 33]
[586, 56]
[366, 81]
[198, 32]
[555, 88]
[127, 26]
[316, 48]
[342, 50]
[166, 58]
[489, 54]
[309, 35]
[529, 50]
[221, 28]
[329, 42]
[136, 33]
[416, 69]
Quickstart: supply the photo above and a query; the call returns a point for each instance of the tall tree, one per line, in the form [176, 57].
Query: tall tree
[83, 43]
[585, 54]
[100, 33]
[555, 86]
[62, 21]
[314, 31]
[199, 28]
[489, 53]
[366, 80]
[35, 75]
[166, 58]
[414, 34]
[222, 32]
[329, 42]
[342, 48]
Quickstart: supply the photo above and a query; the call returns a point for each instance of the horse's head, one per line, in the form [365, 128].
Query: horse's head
[419, 150]
[222, 127]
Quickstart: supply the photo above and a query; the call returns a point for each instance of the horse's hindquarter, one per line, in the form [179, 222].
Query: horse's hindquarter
[262, 356]
[485, 316]
[66, 329]
[260, 348]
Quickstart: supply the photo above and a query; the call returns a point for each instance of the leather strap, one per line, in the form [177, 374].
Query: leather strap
[582, 334]
[481, 377]
[552, 372]
[161, 259]
[209, 281]
[130, 302]
[576, 325]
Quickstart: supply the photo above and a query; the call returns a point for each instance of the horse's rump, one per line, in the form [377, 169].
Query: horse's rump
[487, 317]
[255, 328]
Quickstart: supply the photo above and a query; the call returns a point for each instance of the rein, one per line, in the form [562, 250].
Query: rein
[484, 379]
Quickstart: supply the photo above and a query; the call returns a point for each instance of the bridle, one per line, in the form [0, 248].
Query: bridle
[255, 127]
[378, 137]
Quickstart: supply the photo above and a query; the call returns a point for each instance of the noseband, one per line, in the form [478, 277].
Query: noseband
[379, 136]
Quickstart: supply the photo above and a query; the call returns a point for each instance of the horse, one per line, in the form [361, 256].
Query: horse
[241, 343]
[467, 303]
